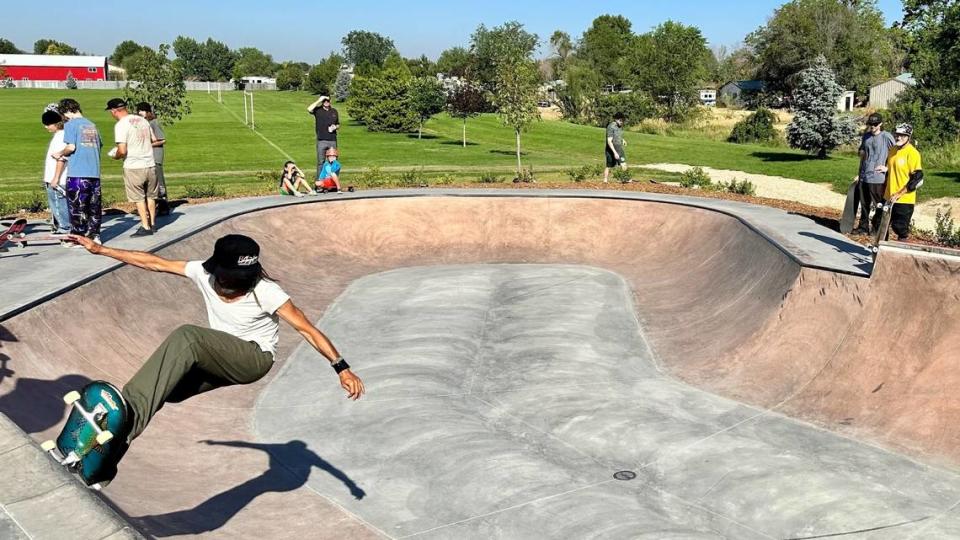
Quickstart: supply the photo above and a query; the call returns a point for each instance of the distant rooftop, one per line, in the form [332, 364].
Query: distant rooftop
[51, 60]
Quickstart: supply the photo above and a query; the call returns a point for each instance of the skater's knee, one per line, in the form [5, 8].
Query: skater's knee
[187, 332]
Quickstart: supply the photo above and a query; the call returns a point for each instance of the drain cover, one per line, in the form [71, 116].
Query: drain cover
[624, 475]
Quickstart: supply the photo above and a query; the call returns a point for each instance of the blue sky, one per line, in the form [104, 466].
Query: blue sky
[307, 31]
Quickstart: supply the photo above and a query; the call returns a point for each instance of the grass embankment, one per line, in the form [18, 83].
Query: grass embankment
[211, 151]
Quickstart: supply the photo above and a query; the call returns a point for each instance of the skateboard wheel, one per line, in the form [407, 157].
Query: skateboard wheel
[48, 445]
[71, 398]
[104, 437]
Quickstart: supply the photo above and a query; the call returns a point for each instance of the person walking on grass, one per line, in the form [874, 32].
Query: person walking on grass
[54, 173]
[244, 308]
[904, 172]
[145, 110]
[614, 147]
[82, 143]
[875, 147]
[327, 122]
[135, 148]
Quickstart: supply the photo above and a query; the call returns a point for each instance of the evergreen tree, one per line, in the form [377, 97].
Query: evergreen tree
[342, 87]
[818, 126]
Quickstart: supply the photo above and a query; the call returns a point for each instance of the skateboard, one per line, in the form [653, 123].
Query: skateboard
[886, 207]
[14, 234]
[850, 207]
[93, 438]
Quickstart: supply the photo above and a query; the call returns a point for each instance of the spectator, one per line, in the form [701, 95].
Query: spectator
[291, 179]
[329, 179]
[134, 146]
[874, 149]
[613, 149]
[904, 176]
[83, 145]
[327, 123]
[145, 110]
[53, 170]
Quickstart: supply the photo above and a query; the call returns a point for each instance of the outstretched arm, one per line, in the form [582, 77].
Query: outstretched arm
[140, 259]
[295, 318]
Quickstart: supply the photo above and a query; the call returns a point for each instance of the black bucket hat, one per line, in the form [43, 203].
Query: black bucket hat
[235, 257]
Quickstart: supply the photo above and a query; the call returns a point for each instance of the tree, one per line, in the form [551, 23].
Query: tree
[321, 77]
[851, 35]
[605, 46]
[422, 67]
[290, 77]
[220, 60]
[517, 79]
[561, 48]
[396, 63]
[251, 61]
[53, 47]
[817, 126]
[671, 64]
[7, 47]
[467, 101]
[208, 61]
[427, 97]
[454, 62]
[580, 93]
[489, 48]
[123, 50]
[383, 103]
[70, 83]
[736, 65]
[160, 84]
[342, 87]
[361, 47]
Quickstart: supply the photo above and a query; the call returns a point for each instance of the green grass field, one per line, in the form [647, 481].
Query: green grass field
[213, 146]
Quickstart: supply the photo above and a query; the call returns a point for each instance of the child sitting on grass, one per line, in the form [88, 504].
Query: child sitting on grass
[291, 179]
[329, 179]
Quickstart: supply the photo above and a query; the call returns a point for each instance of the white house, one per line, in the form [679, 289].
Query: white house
[708, 96]
[845, 102]
[883, 94]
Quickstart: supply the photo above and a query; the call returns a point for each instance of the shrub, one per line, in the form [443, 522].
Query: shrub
[373, 177]
[445, 179]
[71, 83]
[577, 174]
[29, 202]
[526, 175]
[945, 232]
[758, 127]
[490, 178]
[622, 175]
[411, 178]
[695, 178]
[203, 191]
[742, 187]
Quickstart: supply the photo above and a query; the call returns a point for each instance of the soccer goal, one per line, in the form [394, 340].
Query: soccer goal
[248, 116]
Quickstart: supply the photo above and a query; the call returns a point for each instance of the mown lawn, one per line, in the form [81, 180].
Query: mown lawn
[213, 146]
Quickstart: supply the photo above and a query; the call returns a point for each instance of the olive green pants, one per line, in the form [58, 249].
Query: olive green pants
[192, 360]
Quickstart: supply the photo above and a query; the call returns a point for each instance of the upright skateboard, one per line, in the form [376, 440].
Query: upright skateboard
[886, 207]
[13, 234]
[93, 438]
[850, 207]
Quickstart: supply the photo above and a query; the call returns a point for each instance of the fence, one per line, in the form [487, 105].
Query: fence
[196, 86]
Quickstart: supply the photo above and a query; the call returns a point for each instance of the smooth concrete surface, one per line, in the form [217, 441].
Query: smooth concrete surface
[503, 398]
[40, 500]
[723, 305]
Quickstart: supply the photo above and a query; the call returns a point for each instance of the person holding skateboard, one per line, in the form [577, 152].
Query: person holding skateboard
[244, 307]
[904, 172]
[874, 149]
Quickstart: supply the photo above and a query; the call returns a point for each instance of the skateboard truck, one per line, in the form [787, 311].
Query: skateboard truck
[92, 417]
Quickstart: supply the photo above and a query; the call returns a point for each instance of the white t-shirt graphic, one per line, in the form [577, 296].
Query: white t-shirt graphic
[134, 131]
[252, 317]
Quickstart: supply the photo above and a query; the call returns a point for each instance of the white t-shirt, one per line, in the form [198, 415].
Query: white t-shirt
[50, 164]
[252, 317]
[134, 131]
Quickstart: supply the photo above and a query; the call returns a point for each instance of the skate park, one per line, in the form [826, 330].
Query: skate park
[539, 364]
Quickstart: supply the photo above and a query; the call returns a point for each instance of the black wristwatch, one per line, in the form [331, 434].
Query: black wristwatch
[340, 365]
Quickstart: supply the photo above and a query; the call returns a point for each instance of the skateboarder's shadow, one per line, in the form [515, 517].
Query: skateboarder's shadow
[290, 467]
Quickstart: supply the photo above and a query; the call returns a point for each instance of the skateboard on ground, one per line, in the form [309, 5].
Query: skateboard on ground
[850, 207]
[93, 438]
[886, 207]
[14, 234]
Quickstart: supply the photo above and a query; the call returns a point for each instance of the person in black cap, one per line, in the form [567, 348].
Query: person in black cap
[875, 146]
[244, 308]
[145, 110]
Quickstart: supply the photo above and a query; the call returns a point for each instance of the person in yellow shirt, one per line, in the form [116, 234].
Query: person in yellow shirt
[904, 176]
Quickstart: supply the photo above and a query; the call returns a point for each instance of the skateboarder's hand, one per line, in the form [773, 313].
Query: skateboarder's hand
[87, 243]
[881, 168]
[352, 384]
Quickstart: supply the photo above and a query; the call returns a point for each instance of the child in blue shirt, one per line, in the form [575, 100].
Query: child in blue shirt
[329, 179]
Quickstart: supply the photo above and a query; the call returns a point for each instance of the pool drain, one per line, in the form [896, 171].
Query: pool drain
[624, 475]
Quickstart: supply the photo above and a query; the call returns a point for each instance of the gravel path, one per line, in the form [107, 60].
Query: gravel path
[822, 195]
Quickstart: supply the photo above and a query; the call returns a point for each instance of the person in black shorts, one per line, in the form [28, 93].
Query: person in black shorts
[613, 149]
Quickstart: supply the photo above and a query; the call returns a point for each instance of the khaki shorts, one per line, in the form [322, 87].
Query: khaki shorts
[141, 184]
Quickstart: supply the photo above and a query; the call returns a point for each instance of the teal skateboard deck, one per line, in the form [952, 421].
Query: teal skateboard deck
[93, 438]
[850, 207]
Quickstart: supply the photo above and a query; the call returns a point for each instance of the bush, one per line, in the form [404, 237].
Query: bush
[743, 187]
[758, 127]
[29, 202]
[935, 116]
[411, 178]
[445, 179]
[490, 178]
[71, 83]
[203, 191]
[373, 178]
[695, 178]
[945, 232]
[577, 174]
[622, 175]
[636, 106]
[526, 176]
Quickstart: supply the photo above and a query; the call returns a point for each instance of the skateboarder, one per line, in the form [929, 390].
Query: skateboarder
[875, 147]
[244, 306]
[904, 172]
[613, 148]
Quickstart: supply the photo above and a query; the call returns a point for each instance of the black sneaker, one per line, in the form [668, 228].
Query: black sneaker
[142, 232]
